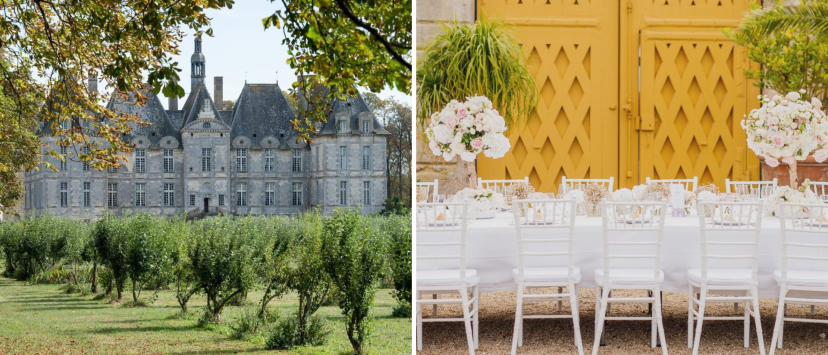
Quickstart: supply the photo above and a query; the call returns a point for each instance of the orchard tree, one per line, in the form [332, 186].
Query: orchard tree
[345, 43]
[47, 51]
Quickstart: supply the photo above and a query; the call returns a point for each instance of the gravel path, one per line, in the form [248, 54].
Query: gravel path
[547, 336]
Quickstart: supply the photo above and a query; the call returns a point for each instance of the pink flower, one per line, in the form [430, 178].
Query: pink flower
[477, 143]
[452, 122]
[821, 156]
[462, 112]
[772, 162]
[777, 141]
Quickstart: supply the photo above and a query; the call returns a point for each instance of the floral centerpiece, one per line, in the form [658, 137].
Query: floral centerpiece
[707, 196]
[594, 194]
[483, 203]
[467, 129]
[800, 195]
[787, 129]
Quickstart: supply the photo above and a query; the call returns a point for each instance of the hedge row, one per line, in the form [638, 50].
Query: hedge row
[343, 257]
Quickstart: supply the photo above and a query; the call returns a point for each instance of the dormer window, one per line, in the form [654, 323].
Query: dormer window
[343, 126]
[366, 126]
[206, 125]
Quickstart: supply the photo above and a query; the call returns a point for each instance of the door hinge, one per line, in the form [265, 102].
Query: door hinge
[644, 123]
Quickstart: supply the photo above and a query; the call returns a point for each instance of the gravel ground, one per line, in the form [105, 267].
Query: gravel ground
[546, 336]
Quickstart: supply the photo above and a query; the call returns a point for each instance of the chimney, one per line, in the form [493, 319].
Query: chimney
[172, 103]
[218, 92]
[92, 85]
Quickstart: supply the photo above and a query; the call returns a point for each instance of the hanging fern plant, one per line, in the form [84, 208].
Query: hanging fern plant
[469, 60]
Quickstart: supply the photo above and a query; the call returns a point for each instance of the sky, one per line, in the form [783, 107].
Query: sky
[240, 47]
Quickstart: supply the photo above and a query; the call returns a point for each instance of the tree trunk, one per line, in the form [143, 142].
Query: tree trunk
[471, 168]
[95, 276]
[792, 171]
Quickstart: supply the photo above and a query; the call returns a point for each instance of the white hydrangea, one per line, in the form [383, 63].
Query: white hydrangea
[467, 129]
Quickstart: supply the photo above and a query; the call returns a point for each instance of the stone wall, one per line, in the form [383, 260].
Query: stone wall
[430, 15]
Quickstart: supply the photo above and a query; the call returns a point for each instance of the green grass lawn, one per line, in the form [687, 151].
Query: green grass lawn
[40, 319]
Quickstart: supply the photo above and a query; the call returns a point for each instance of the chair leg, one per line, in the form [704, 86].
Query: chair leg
[518, 318]
[600, 323]
[476, 318]
[419, 323]
[660, 321]
[782, 325]
[464, 294]
[576, 322]
[747, 323]
[780, 320]
[653, 325]
[758, 320]
[434, 312]
[700, 319]
[560, 303]
[690, 307]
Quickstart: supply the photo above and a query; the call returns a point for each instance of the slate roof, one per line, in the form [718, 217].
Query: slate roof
[194, 104]
[261, 109]
[354, 106]
[153, 113]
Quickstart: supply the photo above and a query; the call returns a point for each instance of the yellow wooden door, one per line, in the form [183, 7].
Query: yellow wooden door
[630, 89]
[692, 91]
[572, 48]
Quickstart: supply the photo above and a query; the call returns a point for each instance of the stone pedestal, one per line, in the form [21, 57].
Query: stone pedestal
[806, 169]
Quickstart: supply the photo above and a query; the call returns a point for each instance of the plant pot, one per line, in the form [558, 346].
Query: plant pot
[805, 169]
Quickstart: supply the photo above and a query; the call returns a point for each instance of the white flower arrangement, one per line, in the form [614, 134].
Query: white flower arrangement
[787, 129]
[467, 129]
[480, 200]
[803, 195]
[707, 196]
[576, 195]
[622, 195]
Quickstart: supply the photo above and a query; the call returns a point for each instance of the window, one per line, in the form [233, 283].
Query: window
[366, 126]
[343, 193]
[297, 193]
[140, 160]
[206, 159]
[241, 194]
[113, 169]
[64, 194]
[343, 158]
[169, 195]
[366, 193]
[192, 199]
[206, 125]
[343, 126]
[86, 163]
[366, 158]
[168, 160]
[87, 194]
[297, 161]
[241, 160]
[140, 194]
[270, 194]
[270, 160]
[112, 194]
[66, 124]
[221, 200]
[64, 162]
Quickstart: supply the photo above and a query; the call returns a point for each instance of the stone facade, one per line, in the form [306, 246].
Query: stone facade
[430, 16]
[202, 160]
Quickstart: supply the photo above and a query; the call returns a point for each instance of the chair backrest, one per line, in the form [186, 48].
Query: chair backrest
[730, 232]
[545, 222]
[581, 184]
[450, 221]
[646, 221]
[820, 187]
[762, 188]
[689, 184]
[498, 185]
[804, 233]
[430, 189]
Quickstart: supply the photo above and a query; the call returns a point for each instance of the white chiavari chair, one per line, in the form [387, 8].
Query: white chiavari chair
[729, 236]
[632, 233]
[499, 185]
[430, 188]
[449, 220]
[761, 188]
[689, 184]
[581, 184]
[546, 223]
[820, 188]
[804, 238]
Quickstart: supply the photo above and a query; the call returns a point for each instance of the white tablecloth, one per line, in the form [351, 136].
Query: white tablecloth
[492, 251]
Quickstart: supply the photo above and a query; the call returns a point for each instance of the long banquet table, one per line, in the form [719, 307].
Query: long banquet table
[492, 251]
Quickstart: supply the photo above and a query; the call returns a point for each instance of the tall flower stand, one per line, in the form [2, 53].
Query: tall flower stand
[471, 172]
[805, 169]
